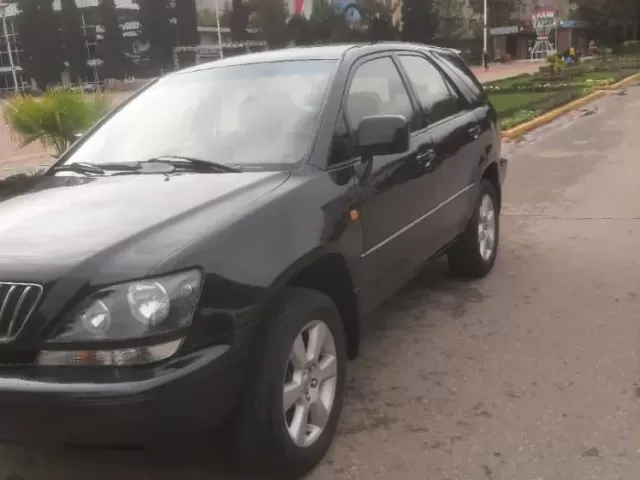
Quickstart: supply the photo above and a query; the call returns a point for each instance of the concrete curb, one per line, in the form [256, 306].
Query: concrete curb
[550, 116]
[622, 83]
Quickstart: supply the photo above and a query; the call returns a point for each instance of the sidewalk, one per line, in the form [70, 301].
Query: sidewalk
[498, 71]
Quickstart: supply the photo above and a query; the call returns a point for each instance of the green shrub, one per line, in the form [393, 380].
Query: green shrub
[629, 47]
[55, 118]
[545, 70]
[556, 64]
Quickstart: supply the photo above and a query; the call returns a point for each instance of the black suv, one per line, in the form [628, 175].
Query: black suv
[204, 256]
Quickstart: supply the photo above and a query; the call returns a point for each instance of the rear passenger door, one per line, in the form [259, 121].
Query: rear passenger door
[453, 128]
[461, 74]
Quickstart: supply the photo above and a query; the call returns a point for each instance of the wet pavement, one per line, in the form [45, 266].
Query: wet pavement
[529, 374]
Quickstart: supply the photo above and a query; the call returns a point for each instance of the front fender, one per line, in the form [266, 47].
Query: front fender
[247, 261]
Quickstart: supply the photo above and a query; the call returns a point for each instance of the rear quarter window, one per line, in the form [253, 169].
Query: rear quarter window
[462, 75]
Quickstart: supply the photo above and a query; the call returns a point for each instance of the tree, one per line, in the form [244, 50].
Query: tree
[239, 20]
[611, 22]
[300, 31]
[112, 46]
[73, 46]
[499, 13]
[38, 27]
[158, 30]
[451, 17]
[380, 19]
[419, 21]
[208, 18]
[328, 25]
[187, 17]
[272, 20]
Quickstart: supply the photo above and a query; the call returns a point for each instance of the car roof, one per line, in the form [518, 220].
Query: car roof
[320, 52]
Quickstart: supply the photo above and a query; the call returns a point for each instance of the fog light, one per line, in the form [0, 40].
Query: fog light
[121, 357]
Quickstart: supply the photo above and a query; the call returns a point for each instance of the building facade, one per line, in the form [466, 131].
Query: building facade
[11, 49]
[519, 40]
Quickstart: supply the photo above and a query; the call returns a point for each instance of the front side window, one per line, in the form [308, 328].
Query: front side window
[341, 146]
[377, 89]
[257, 114]
[436, 96]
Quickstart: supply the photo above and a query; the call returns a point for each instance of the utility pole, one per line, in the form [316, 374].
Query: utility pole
[485, 30]
[218, 27]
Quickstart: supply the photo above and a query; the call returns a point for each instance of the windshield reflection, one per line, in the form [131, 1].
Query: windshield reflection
[261, 114]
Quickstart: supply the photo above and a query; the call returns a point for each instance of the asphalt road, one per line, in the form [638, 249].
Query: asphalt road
[529, 374]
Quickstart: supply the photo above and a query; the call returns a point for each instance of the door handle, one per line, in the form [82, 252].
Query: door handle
[475, 131]
[426, 157]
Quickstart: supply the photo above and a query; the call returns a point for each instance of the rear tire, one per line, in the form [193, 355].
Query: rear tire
[267, 438]
[474, 253]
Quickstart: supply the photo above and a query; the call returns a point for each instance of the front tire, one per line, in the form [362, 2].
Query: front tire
[294, 395]
[474, 253]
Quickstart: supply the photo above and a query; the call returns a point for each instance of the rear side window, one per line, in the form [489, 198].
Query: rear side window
[462, 74]
[437, 97]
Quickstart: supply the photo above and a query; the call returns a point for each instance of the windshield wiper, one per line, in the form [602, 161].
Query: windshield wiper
[79, 168]
[83, 167]
[180, 161]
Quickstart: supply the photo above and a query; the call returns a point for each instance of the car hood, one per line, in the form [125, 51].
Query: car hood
[61, 222]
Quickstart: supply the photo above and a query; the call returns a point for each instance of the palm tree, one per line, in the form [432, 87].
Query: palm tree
[56, 118]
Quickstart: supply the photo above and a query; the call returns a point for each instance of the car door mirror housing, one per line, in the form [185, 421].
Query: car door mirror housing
[382, 135]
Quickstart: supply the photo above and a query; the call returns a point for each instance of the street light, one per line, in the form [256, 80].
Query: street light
[3, 13]
[218, 27]
[485, 29]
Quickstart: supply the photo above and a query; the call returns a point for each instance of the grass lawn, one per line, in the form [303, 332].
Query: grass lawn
[598, 76]
[504, 102]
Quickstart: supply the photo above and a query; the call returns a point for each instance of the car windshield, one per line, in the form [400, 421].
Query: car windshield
[258, 114]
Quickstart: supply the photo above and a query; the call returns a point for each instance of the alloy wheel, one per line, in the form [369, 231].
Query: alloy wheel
[310, 383]
[486, 227]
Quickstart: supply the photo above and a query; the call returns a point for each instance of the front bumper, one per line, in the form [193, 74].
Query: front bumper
[190, 395]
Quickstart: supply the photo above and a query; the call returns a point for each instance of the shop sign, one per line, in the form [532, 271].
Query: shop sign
[510, 30]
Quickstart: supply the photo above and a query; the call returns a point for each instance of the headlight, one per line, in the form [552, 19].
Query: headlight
[136, 310]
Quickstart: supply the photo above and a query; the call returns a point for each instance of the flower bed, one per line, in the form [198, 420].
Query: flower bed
[520, 99]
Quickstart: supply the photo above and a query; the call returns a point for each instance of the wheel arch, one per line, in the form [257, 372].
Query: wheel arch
[492, 174]
[326, 270]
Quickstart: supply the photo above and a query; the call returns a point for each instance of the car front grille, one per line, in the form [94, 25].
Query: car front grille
[17, 303]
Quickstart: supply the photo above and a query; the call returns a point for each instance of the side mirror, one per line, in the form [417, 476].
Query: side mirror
[382, 135]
